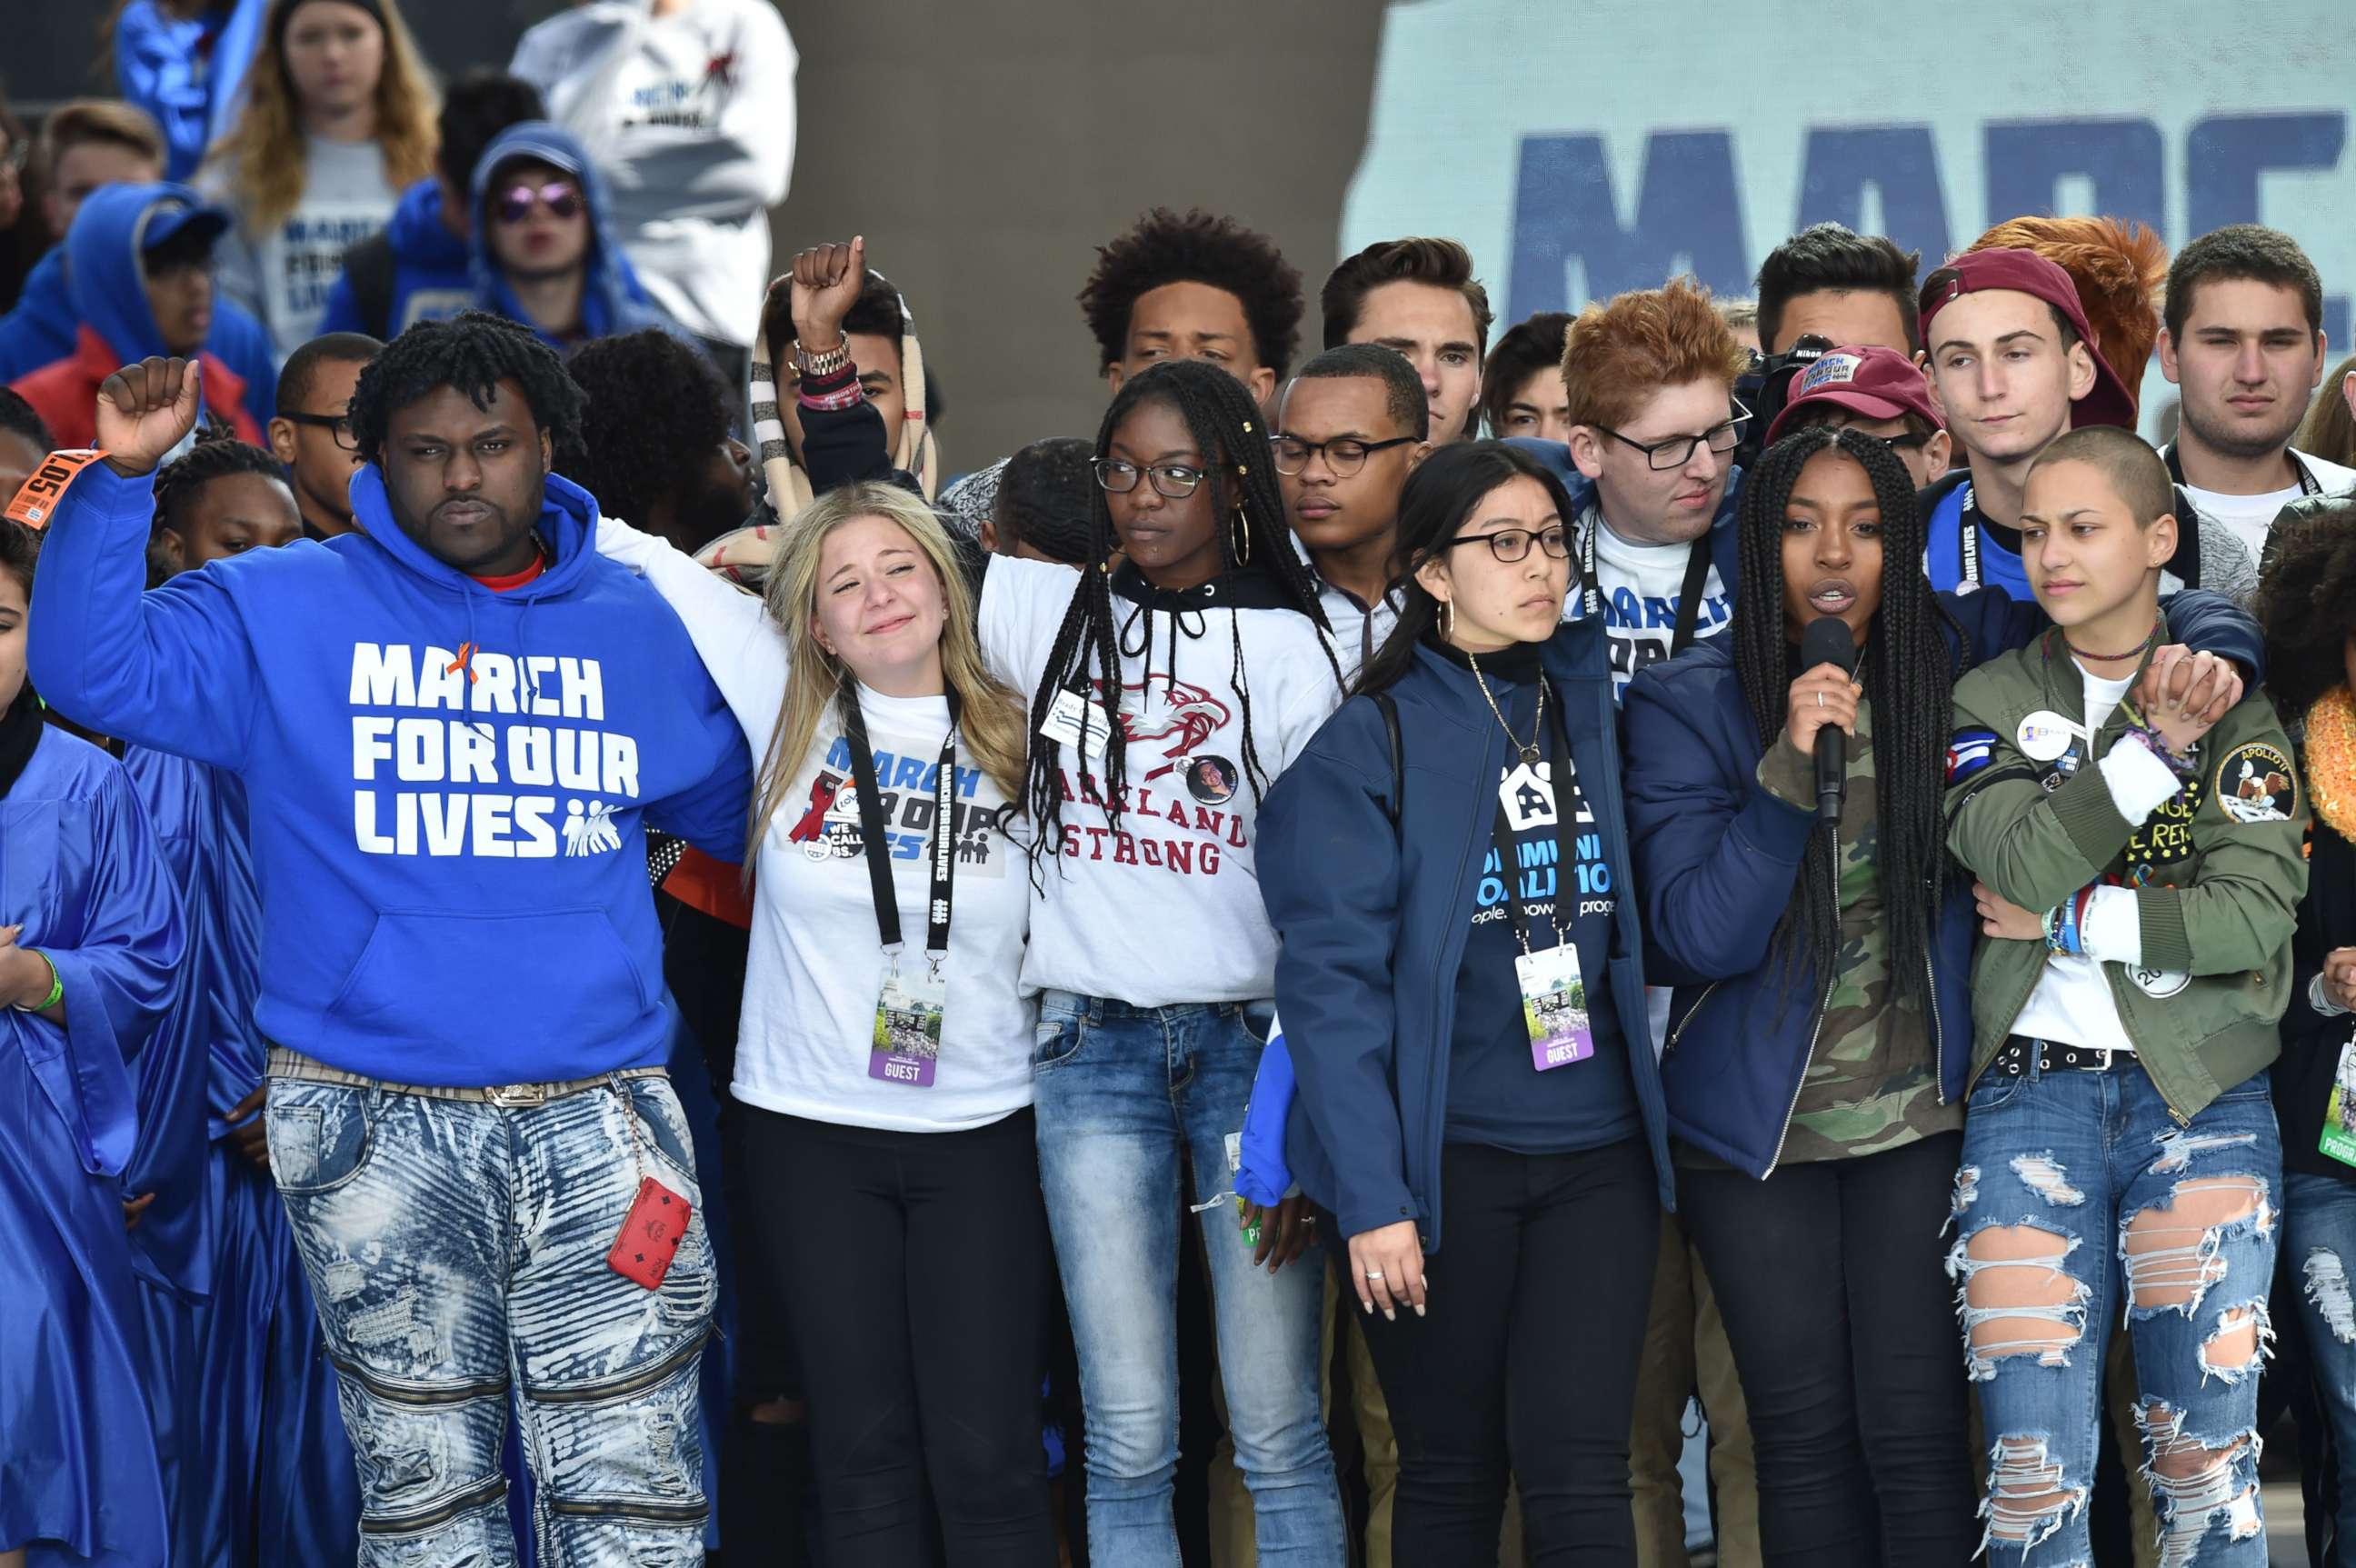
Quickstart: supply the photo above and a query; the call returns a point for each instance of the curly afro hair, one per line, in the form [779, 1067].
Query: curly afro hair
[2306, 602]
[635, 446]
[473, 351]
[1198, 247]
[2119, 269]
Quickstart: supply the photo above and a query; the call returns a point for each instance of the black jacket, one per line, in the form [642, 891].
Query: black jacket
[2311, 1040]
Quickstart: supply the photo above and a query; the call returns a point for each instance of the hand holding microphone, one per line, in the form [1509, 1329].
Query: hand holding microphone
[1822, 709]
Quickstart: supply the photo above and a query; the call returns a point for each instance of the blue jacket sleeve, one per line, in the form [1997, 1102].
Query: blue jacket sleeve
[1715, 853]
[712, 815]
[1329, 873]
[2211, 623]
[341, 312]
[174, 669]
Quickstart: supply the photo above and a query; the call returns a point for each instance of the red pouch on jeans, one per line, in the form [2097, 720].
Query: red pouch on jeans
[650, 1234]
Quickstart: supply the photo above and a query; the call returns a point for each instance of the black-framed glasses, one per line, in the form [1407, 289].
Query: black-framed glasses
[1678, 450]
[1512, 544]
[1912, 441]
[1176, 480]
[1345, 455]
[338, 425]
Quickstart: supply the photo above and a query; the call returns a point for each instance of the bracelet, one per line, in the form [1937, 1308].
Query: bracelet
[2065, 924]
[826, 362]
[57, 987]
[2184, 764]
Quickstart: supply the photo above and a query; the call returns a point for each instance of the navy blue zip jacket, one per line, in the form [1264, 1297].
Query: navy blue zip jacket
[1716, 858]
[1374, 919]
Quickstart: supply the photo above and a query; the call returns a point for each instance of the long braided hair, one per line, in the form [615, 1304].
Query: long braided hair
[1909, 680]
[1231, 433]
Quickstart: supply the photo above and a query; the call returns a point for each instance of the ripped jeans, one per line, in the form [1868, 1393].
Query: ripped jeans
[2319, 1239]
[2075, 1186]
[456, 1250]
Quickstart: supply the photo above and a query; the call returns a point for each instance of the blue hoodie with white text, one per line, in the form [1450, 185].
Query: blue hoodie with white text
[611, 300]
[447, 784]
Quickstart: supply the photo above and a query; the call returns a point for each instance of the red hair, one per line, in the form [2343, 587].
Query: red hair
[1619, 351]
[2119, 268]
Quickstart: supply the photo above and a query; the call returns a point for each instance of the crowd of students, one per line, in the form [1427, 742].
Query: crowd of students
[1771, 850]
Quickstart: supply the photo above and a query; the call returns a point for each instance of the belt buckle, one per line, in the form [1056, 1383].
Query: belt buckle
[516, 1096]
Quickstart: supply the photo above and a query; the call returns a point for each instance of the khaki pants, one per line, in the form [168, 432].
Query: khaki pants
[1685, 1349]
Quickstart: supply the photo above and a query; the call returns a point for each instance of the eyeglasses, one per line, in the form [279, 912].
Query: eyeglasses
[340, 425]
[560, 197]
[1678, 450]
[1175, 481]
[1345, 455]
[1913, 441]
[1512, 544]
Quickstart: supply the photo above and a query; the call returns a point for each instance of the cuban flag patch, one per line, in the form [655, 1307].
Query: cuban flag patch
[1971, 750]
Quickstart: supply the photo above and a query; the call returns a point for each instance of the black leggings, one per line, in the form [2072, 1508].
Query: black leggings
[1524, 1363]
[915, 1266]
[1831, 1277]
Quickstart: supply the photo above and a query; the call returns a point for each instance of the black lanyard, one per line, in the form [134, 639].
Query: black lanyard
[939, 848]
[1971, 538]
[1681, 635]
[1509, 863]
[2307, 484]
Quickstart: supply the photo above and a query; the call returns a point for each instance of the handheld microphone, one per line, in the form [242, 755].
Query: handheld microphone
[1827, 641]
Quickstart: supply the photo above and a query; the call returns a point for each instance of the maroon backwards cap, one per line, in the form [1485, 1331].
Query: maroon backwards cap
[2108, 401]
[1878, 382]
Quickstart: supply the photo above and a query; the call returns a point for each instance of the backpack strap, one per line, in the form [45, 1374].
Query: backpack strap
[1390, 707]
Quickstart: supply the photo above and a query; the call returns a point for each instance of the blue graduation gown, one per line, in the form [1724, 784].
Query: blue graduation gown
[79, 868]
[245, 1399]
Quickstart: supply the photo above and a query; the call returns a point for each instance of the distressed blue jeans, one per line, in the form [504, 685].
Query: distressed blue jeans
[2320, 1238]
[1122, 1092]
[2077, 1187]
[457, 1254]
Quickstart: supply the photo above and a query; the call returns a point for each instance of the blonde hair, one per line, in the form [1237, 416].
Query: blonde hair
[265, 150]
[990, 719]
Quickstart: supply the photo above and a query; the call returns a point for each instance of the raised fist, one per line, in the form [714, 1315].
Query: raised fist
[144, 410]
[826, 283]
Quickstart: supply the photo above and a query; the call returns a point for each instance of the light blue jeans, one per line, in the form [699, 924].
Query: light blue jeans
[2319, 1237]
[459, 1250]
[2078, 1186]
[1122, 1092]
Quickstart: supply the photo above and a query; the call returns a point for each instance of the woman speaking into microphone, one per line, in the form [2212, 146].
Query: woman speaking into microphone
[1821, 946]
[1462, 988]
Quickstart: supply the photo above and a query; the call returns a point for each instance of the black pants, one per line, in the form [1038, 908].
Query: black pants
[1525, 1364]
[1832, 1281]
[915, 1266]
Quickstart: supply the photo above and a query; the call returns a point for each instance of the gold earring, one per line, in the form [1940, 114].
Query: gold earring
[1240, 532]
[1447, 619]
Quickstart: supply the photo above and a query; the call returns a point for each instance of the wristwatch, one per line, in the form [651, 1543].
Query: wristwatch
[825, 364]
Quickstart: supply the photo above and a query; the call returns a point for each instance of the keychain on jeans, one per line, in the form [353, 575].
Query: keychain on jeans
[656, 1222]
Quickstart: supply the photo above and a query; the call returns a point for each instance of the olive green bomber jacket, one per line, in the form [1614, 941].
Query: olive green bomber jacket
[2219, 871]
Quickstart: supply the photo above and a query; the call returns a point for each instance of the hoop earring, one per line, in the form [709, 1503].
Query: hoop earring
[1239, 535]
[1447, 619]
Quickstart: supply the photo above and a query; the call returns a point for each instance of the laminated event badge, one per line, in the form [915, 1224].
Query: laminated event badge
[907, 1044]
[1073, 720]
[1553, 1007]
[2338, 1140]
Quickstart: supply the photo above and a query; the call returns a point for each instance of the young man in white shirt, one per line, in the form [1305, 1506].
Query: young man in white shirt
[2243, 341]
[1649, 383]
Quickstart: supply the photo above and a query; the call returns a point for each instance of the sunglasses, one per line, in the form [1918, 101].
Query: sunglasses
[560, 197]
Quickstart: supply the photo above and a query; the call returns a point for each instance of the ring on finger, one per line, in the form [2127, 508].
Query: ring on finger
[1373, 1274]
[1820, 699]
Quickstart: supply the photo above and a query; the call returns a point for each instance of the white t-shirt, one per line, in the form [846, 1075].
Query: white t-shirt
[2073, 1001]
[284, 277]
[1358, 629]
[1164, 909]
[1642, 585]
[2250, 517]
[691, 117]
[817, 966]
